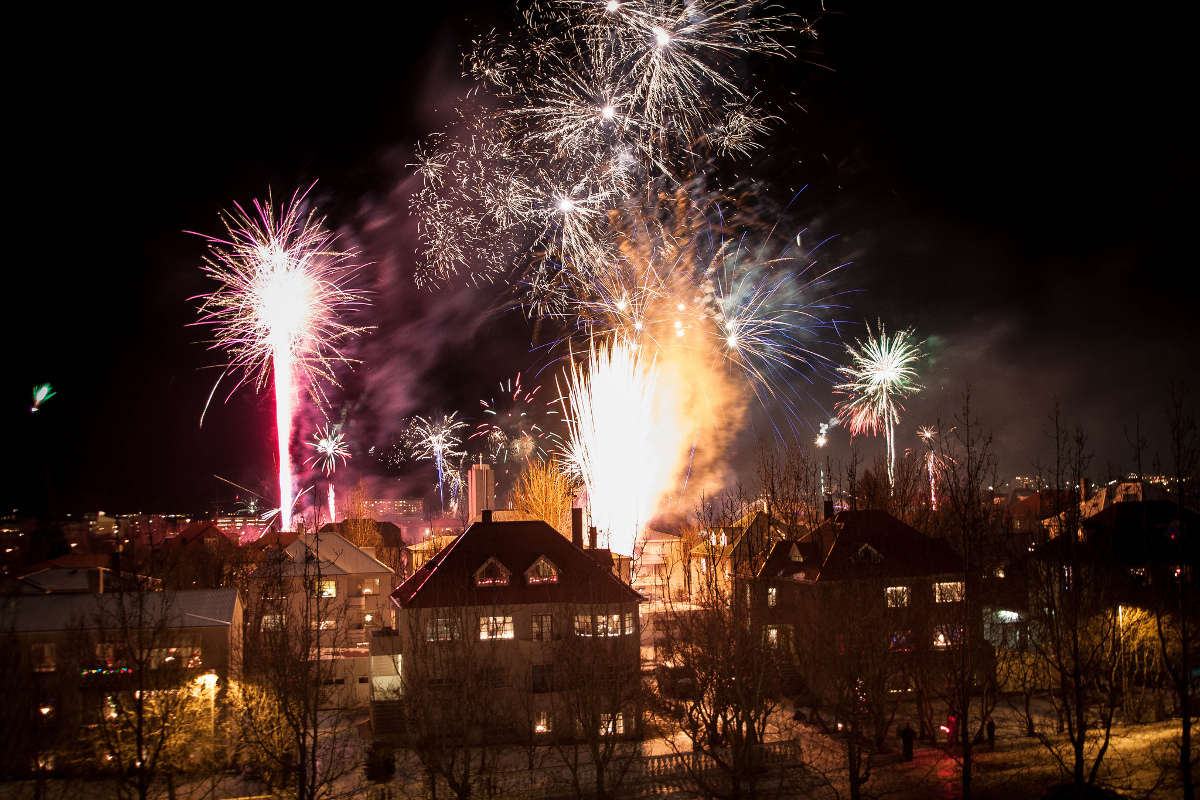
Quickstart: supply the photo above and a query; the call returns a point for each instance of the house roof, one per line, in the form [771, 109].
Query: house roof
[390, 533]
[183, 608]
[333, 554]
[1147, 532]
[1044, 504]
[200, 530]
[447, 579]
[71, 561]
[781, 563]
[900, 551]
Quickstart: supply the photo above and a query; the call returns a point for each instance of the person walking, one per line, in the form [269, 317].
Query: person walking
[906, 739]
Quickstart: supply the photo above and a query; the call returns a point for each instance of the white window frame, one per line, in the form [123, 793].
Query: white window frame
[496, 627]
[612, 724]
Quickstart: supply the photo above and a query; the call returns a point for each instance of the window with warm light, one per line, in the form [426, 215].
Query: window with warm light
[772, 596]
[325, 587]
[772, 636]
[441, 629]
[492, 573]
[42, 658]
[541, 723]
[608, 625]
[629, 623]
[948, 592]
[612, 724]
[542, 571]
[495, 627]
[584, 625]
[272, 622]
[897, 596]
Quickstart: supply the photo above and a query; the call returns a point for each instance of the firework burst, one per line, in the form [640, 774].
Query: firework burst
[330, 445]
[279, 310]
[41, 393]
[880, 375]
[438, 440]
[517, 424]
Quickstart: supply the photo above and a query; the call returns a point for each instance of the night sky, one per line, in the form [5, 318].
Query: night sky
[1014, 182]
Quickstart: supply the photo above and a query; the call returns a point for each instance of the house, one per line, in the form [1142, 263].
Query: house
[330, 591]
[857, 568]
[531, 610]
[735, 550]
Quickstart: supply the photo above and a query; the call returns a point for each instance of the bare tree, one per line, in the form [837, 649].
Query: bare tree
[544, 491]
[358, 528]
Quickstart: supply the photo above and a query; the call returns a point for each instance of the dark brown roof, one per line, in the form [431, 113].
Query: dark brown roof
[199, 530]
[1044, 504]
[780, 563]
[902, 551]
[448, 578]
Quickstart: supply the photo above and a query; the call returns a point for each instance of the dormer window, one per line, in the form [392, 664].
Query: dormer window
[866, 553]
[542, 571]
[492, 573]
[794, 554]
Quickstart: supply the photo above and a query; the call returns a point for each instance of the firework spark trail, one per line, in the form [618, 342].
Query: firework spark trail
[516, 424]
[330, 445]
[438, 439]
[41, 393]
[278, 310]
[616, 425]
[880, 374]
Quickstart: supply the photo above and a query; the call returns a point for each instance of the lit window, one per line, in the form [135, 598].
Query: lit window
[441, 629]
[629, 628]
[367, 586]
[772, 596]
[542, 571]
[326, 587]
[541, 723]
[724, 539]
[897, 596]
[272, 622]
[612, 724]
[950, 592]
[540, 627]
[584, 625]
[492, 573]
[608, 625]
[703, 566]
[42, 658]
[948, 637]
[772, 636]
[323, 624]
[901, 640]
[495, 627]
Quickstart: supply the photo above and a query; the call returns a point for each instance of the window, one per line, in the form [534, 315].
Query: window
[272, 622]
[441, 629]
[703, 566]
[543, 678]
[772, 636]
[492, 573]
[608, 625]
[495, 627]
[902, 641]
[542, 571]
[325, 587]
[950, 592]
[540, 627]
[108, 656]
[368, 618]
[772, 596]
[365, 586]
[42, 658]
[868, 554]
[897, 596]
[948, 637]
[541, 722]
[583, 625]
[324, 624]
[497, 678]
[612, 724]
[629, 627]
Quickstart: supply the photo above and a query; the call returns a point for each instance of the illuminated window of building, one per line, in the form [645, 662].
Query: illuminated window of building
[703, 566]
[584, 625]
[629, 628]
[540, 627]
[608, 625]
[948, 592]
[42, 657]
[272, 622]
[325, 587]
[542, 571]
[323, 624]
[772, 636]
[441, 629]
[724, 539]
[902, 640]
[612, 724]
[948, 637]
[541, 722]
[897, 596]
[364, 586]
[772, 596]
[495, 627]
[492, 573]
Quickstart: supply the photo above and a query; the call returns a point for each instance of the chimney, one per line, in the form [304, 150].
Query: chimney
[592, 537]
[487, 514]
[829, 508]
[577, 527]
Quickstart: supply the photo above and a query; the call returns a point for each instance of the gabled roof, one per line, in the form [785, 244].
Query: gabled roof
[1044, 504]
[183, 608]
[333, 556]
[448, 578]
[203, 529]
[903, 551]
[793, 559]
